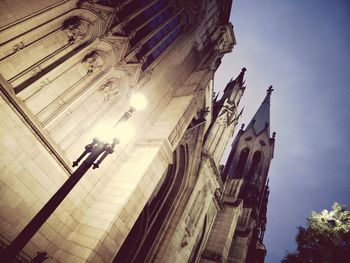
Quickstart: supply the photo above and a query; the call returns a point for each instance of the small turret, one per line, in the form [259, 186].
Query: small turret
[225, 118]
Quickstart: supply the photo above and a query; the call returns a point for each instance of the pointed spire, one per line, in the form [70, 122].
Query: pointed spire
[239, 80]
[230, 91]
[269, 90]
[261, 119]
[273, 135]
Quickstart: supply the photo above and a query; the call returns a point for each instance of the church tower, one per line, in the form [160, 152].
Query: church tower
[225, 118]
[246, 184]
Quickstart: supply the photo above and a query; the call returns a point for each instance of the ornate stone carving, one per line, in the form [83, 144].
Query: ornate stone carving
[44, 82]
[18, 46]
[109, 89]
[103, 15]
[93, 62]
[222, 120]
[109, 33]
[118, 43]
[130, 71]
[189, 136]
[75, 29]
[35, 71]
[184, 241]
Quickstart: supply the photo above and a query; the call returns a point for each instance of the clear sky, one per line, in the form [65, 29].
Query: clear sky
[302, 48]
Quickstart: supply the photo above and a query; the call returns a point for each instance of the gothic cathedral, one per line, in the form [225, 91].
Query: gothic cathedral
[111, 137]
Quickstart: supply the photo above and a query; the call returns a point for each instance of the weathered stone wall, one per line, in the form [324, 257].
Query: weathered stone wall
[54, 100]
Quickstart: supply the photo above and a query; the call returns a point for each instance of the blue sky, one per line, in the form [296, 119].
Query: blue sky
[302, 48]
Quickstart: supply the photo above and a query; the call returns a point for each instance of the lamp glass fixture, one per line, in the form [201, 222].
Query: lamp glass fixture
[138, 101]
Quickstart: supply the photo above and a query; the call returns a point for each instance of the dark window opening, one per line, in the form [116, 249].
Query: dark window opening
[152, 25]
[255, 164]
[145, 16]
[166, 43]
[241, 163]
[130, 8]
[152, 19]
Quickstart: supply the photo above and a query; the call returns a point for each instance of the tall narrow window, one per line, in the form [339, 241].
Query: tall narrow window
[241, 163]
[255, 164]
[152, 30]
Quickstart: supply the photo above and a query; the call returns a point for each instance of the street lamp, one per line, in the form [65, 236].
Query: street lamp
[94, 154]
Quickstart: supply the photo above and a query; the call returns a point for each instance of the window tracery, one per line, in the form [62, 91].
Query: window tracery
[152, 27]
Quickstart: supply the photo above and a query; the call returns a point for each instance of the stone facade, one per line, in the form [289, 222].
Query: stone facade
[67, 71]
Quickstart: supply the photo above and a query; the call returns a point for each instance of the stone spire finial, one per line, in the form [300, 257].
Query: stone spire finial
[261, 119]
[269, 90]
[273, 135]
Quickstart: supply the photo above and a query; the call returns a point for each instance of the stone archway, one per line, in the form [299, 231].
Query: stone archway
[152, 221]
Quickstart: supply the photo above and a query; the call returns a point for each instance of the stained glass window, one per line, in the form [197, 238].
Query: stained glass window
[155, 23]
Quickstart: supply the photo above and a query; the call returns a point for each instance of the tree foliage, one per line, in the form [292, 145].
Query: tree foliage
[326, 238]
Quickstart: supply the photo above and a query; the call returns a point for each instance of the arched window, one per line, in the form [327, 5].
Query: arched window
[255, 164]
[142, 237]
[153, 27]
[241, 163]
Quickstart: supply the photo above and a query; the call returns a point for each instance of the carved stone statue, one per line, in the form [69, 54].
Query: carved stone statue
[110, 89]
[18, 46]
[93, 62]
[74, 29]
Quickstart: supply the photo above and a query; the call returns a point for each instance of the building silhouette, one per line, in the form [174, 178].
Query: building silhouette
[69, 71]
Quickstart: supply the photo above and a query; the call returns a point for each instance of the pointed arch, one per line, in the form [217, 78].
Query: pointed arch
[243, 156]
[150, 222]
[256, 161]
